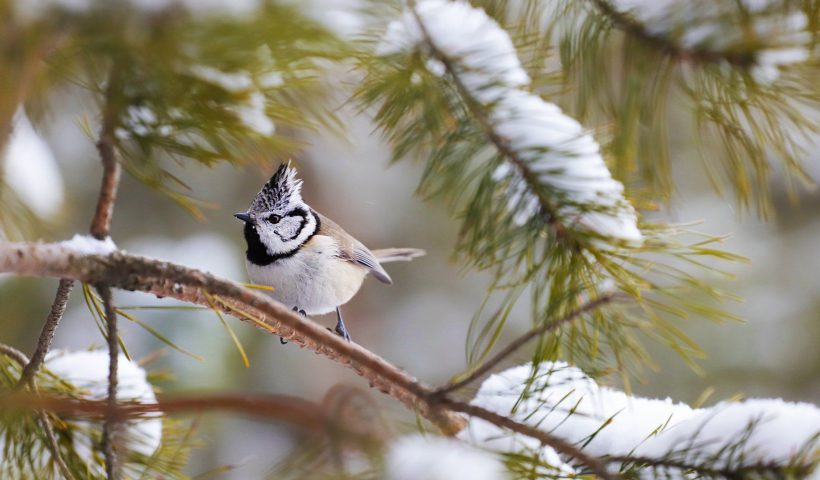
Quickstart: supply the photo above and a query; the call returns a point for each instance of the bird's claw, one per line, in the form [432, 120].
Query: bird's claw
[300, 312]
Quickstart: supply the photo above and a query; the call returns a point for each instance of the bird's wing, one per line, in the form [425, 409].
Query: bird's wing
[353, 250]
[365, 257]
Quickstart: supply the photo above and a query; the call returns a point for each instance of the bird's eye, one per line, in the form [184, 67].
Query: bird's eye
[274, 219]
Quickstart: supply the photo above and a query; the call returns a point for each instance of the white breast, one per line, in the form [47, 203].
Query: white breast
[314, 279]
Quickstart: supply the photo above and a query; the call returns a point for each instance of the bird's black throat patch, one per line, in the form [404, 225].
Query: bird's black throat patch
[256, 253]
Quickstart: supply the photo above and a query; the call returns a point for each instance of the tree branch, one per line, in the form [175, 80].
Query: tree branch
[631, 26]
[557, 444]
[519, 342]
[47, 334]
[164, 279]
[111, 426]
[106, 146]
[756, 470]
[100, 227]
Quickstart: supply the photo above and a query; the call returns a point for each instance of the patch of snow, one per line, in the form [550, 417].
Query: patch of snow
[252, 114]
[31, 169]
[562, 400]
[417, 457]
[229, 81]
[88, 371]
[88, 245]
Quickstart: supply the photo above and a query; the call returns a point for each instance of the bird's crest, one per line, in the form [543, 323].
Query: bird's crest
[282, 189]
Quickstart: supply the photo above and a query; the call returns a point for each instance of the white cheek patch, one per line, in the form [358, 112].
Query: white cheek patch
[289, 228]
[288, 235]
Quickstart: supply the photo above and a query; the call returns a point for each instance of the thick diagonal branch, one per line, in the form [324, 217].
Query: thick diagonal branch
[165, 279]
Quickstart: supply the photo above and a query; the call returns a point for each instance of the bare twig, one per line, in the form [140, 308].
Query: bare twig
[106, 145]
[111, 426]
[47, 334]
[42, 415]
[519, 342]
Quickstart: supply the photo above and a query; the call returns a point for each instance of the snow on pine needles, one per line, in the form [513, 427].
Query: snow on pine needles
[551, 163]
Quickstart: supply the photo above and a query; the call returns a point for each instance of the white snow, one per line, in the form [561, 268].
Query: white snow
[31, 170]
[417, 457]
[229, 81]
[562, 400]
[252, 114]
[88, 371]
[550, 145]
[251, 103]
[88, 245]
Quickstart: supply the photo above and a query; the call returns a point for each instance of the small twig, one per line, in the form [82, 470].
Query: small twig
[42, 416]
[110, 428]
[47, 334]
[557, 444]
[106, 145]
[14, 354]
[519, 342]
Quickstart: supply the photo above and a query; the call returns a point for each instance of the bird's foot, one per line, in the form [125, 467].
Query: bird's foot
[340, 329]
[300, 312]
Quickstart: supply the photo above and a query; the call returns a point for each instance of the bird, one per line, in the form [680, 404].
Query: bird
[311, 264]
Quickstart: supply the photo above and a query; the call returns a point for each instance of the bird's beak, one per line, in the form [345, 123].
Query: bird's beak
[244, 217]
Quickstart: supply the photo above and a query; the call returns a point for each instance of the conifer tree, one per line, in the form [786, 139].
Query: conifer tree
[548, 128]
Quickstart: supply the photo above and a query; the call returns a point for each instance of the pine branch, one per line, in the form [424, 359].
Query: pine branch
[111, 426]
[757, 470]
[633, 27]
[106, 145]
[522, 340]
[49, 329]
[495, 99]
[559, 445]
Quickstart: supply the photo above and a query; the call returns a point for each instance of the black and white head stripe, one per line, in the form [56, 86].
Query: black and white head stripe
[282, 189]
[269, 242]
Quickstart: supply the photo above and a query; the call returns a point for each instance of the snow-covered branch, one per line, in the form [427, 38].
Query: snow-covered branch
[709, 35]
[552, 166]
[751, 435]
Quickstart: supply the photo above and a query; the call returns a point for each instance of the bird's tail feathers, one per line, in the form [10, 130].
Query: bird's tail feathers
[385, 255]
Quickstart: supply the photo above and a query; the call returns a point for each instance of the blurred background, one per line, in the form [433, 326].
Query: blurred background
[420, 323]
